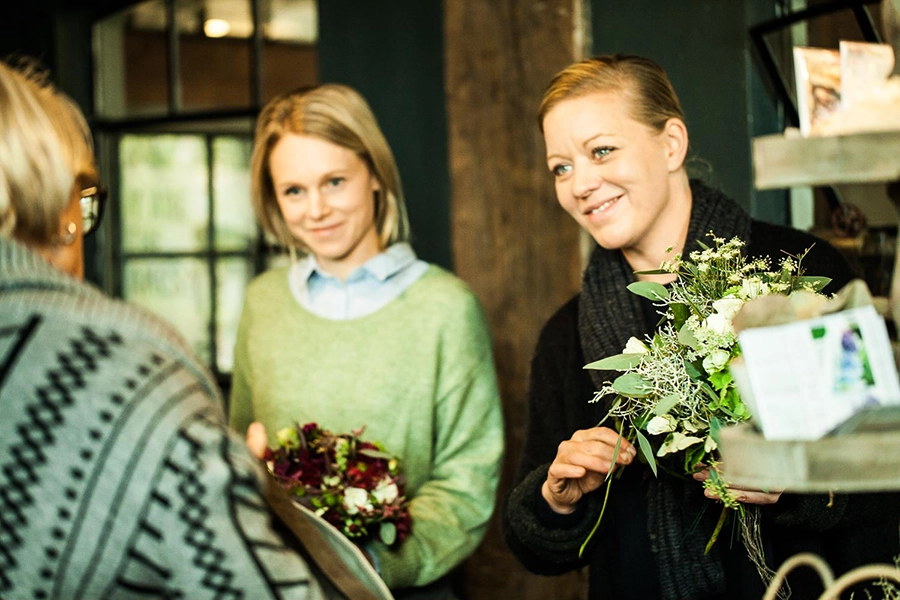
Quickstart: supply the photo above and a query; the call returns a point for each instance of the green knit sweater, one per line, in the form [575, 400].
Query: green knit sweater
[417, 373]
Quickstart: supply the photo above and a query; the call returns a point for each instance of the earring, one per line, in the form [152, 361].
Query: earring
[68, 238]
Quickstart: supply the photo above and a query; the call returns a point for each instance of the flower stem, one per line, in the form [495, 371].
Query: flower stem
[717, 530]
[600, 518]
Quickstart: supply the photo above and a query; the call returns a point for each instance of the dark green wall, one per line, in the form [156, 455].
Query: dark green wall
[705, 48]
[392, 52]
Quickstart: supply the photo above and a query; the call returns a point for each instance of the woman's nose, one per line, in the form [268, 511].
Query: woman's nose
[317, 206]
[585, 181]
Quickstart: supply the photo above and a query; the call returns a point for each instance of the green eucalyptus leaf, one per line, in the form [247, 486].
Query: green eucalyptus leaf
[631, 385]
[649, 289]
[687, 337]
[646, 450]
[709, 391]
[692, 371]
[618, 362]
[816, 282]
[693, 456]
[615, 455]
[666, 404]
[715, 426]
[387, 532]
[680, 313]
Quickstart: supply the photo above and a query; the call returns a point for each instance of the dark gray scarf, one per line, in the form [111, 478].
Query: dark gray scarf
[608, 315]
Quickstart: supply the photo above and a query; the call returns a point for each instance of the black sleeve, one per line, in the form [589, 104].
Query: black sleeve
[558, 404]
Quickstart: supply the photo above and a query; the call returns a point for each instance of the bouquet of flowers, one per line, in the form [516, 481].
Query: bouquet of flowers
[675, 392]
[352, 483]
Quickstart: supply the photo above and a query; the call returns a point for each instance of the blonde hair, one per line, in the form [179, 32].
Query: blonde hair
[45, 146]
[340, 115]
[651, 98]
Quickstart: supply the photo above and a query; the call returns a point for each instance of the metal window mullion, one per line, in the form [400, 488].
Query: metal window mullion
[256, 55]
[174, 64]
[212, 257]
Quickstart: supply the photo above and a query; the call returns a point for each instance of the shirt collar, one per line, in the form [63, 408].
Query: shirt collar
[382, 266]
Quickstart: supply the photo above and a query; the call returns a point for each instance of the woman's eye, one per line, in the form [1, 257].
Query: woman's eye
[601, 151]
[335, 181]
[560, 170]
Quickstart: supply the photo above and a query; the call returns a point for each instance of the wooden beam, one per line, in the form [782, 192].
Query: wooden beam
[512, 242]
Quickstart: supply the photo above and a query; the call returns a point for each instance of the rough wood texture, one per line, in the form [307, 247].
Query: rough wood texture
[860, 462]
[780, 161]
[512, 243]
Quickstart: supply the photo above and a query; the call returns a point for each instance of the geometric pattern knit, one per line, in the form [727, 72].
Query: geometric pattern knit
[418, 374]
[118, 475]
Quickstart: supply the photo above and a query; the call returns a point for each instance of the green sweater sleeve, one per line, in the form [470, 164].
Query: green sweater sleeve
[451, 510]
[240, 407]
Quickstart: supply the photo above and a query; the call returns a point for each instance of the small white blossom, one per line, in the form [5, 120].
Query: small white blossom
[663, 424]
[356, 499]
[386, 491]
[710, 444]
[635, 346]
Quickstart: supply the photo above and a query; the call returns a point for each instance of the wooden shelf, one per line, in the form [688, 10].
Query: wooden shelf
[860, 462]
[780, 161]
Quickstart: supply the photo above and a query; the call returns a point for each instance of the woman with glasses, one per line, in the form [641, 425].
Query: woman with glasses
[118, 475]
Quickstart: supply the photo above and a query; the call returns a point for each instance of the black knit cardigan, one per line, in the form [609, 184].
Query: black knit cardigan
[846, 530]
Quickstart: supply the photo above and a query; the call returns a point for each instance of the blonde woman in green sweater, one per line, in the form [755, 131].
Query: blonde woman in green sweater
[358, 332]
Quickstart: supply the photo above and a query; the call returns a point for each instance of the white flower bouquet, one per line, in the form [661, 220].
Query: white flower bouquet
[675, 391]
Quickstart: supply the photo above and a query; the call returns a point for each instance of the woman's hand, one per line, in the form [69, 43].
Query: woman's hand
[257, 440]
[581, 465]
[741, 494]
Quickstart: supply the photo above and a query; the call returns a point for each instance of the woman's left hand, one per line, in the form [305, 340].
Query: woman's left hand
[740, 494]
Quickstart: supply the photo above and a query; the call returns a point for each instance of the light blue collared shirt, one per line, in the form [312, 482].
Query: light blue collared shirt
[370, 287]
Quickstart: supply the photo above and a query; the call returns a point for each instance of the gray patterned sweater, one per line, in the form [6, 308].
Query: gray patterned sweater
[118, 477]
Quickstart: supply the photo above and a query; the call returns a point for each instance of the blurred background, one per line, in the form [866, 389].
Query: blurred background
[172, 89]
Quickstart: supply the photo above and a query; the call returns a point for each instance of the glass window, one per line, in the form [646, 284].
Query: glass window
[189, 241]
[178, 86]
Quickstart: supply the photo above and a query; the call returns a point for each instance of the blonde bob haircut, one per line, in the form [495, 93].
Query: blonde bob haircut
[644, 84]
[340, 115]
[45, 147]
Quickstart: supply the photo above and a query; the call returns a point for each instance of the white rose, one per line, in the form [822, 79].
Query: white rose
[663, 424]
[728, 307]
[386, 491]
[635, 346]
[716, 361]
[356, 499]
[718, 324]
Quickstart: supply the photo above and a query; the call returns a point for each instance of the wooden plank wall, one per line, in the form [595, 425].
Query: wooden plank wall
[512, 242]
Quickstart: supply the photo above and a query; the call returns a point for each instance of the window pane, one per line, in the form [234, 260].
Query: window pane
[290, 56]
[215, 54]
[164, 189]
[232, 277]
[235, 223]
[132, 55]
[178, 291]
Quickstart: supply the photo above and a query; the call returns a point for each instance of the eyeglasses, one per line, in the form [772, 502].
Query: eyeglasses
[92, 201]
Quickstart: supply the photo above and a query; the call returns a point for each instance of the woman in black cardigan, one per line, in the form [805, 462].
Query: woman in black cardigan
[616, 145]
